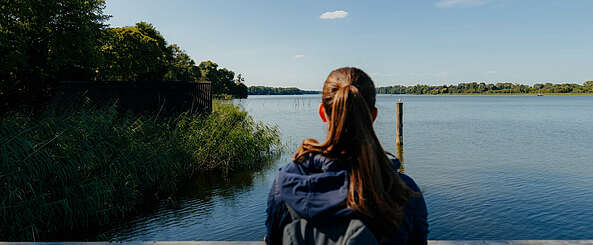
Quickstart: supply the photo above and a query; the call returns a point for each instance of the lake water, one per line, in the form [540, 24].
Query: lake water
[490, 167]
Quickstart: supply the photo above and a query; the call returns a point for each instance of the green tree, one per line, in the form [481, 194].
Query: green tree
[240, 78]
[221, 79]
[240, 90]
[44, 41]
[134, 53]
[208, 70]
[261, 90]
[483, 88]
[181, 66]
[588, 86]
[226, 81]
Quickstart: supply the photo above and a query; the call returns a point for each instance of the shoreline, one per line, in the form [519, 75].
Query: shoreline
[508, 94]
[464, 94]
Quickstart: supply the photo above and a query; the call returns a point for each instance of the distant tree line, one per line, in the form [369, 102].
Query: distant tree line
[498, 88]
[261, 90]
[43, 42]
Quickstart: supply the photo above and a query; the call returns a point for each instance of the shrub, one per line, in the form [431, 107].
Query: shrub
[73, 172]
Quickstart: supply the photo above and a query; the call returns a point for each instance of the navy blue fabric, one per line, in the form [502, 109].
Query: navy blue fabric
[317, 190]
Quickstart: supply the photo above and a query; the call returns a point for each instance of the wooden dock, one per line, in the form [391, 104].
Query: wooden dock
[431, 242]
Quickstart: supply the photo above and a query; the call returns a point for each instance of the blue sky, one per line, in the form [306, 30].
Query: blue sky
[297, 43]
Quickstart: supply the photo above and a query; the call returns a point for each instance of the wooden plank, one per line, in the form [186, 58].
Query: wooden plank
[431, 242]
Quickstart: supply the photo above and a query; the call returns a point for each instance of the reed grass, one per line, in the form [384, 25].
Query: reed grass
[63, 173]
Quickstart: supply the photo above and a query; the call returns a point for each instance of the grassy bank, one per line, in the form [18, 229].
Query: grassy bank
[72, 172]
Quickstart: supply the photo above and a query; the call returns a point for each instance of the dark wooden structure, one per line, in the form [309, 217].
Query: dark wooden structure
[162, 97]
[399, 123]
[399, 133]
[430, 242]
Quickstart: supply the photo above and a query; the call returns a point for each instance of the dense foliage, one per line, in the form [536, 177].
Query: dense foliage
[71, 172]
[135, 53]
[261, 90]
[140, 53]
[498, 88]
[223, 80]
[43, 42]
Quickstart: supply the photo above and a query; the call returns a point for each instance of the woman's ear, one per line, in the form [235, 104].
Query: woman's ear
[322, 112]
[374, 112]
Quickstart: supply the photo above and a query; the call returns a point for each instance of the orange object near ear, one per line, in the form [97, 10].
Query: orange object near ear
[322, 113]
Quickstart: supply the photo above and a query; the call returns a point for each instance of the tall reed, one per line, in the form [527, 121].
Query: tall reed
[72, 172]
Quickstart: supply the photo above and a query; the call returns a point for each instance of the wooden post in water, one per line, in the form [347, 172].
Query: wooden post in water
[399, 133]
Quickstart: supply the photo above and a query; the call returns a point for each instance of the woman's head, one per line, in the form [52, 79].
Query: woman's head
[375, 190]
[345, 77]
[348, 106]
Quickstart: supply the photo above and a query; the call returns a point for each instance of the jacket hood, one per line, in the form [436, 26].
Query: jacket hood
[315, 189]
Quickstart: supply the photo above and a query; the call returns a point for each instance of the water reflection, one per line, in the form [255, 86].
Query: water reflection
[399, 153]
[198, 209]
[205, 186]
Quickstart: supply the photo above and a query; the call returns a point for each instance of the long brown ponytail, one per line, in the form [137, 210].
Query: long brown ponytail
[376, 191]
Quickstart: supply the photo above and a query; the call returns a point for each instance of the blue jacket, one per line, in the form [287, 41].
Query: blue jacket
[317, 190]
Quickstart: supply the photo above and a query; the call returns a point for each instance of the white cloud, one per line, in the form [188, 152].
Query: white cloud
[460, 3]
[339, 14]
[299, 56]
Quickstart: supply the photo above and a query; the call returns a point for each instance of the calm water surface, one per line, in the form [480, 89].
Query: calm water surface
[490, 167]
